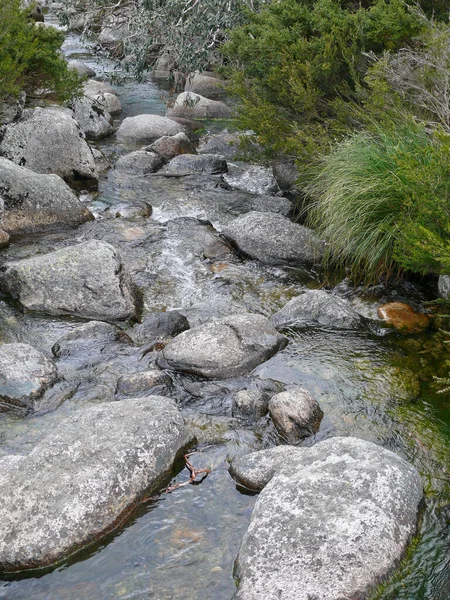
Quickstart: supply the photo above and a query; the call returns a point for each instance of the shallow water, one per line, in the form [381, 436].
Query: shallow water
[371, 383]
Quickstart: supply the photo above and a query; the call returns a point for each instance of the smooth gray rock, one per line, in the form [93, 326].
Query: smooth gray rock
[25, 374]
[250, 403]
[82, 69]
[139, 163]
[193, 163]
[274, 240]
[35, 203]
[78, 482]
[295, 414]
[444, 286]
[331, 528]
[286, 174]
[92, 88]
[169, 146]
[93, 119]
[86, 280]
[317, 307]
[159, 326]
[145, 129]
[194, 106]
[143, 383]
[205, 85]
[224, 348]
[255, 470]
[49, 140]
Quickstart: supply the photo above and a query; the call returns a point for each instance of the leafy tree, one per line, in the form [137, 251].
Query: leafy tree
[29, 57]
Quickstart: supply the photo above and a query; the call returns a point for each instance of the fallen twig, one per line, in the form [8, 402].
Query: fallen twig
[194, 472]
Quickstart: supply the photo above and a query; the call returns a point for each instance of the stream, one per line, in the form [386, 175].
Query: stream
[373, 383]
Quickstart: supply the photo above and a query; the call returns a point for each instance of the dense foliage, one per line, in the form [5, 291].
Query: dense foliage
[29, 56]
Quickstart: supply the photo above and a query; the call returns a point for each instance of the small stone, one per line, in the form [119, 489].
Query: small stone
[250, 403]
[295, 414]
[143, 383]
[403, 317]
[193, 163]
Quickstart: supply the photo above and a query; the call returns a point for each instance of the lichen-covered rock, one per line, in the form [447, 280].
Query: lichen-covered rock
[194, 106]
[295, 414]
[49, 140]
[25, 374]
[331, 526]
[80, 480]
[145, 129]
[224, 348]
[274, 240]
[169, 146]
[35, 202]
[193, 163]
[250, 403]
[85, 280]
[93, 119]
[317, 307]
[139, 162]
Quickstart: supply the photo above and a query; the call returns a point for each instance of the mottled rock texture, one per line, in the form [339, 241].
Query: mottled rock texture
[93, 118]
[193, 163]
[34, 203]
[86, 280]
[295, 414]
[274, 240]
[169, 146]
[139, 163]
[145, 129]
[81, 479]
[331, 526]
[224, 348]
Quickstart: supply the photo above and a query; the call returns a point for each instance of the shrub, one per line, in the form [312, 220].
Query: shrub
[382, 200]
[29, 57]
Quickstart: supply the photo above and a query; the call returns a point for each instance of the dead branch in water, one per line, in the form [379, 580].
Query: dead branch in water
[194, 472]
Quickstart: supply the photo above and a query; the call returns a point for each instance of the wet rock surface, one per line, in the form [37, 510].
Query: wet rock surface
[49, 140]
[159, 326]
[332, 527]
[25, 373]
[224, 348]
[192, 163]
[296, 414]
[403, 317]
[144, 383]
[36, 203]
[317, 307]
[85, 280]
[250, 403]
[79, 480]
[273, 239]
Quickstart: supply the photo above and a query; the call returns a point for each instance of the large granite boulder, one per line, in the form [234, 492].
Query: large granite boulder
[35, 202]
[83, 478]
[274, 240]
[317, 307]
[25, 374]
[94, 119]
[145, 129]
[295, 414]
[139, 162]
[86, 280]
[224, 348]
[194, 106]
[49, 140]
[196, 163]
[330, 525]
[205, 85]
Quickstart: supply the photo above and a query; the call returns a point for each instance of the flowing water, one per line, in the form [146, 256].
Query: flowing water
[373, 383]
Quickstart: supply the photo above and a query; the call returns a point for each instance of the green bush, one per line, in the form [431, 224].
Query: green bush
[298, 62]
[382, 201]
[30, 58]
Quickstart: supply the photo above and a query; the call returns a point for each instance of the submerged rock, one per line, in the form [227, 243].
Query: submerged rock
[82, 478]
[193, 163]
[194, 106]
[86, 280]
[35, 202]
[145, 129]
[295, 414]
[317, 307]
[274, 240]
[224, 348]
[403, 317]
[49, 140]
[25, 374]
[332, 525]
[88, 339]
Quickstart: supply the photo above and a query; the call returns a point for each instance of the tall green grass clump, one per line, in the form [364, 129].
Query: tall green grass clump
[382, 200]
